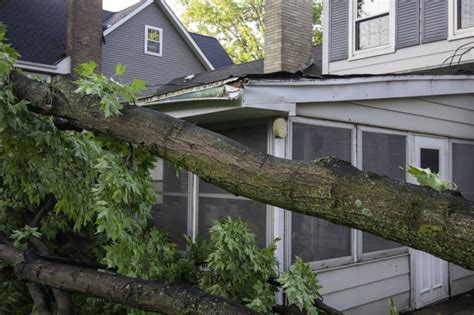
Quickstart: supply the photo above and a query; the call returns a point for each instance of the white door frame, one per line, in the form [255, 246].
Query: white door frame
[435, 284]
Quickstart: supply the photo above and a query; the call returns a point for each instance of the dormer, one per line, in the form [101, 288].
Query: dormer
[388, 36]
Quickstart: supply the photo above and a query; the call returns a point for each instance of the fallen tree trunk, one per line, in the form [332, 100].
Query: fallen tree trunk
[439, 223]
[132, 292]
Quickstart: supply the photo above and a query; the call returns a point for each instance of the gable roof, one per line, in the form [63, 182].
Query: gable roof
[37, 30]
[213, 50]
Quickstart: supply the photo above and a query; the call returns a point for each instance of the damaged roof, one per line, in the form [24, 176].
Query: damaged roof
[248, 69]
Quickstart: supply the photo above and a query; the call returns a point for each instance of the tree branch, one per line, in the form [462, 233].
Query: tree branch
[438, 223]
[141, 294]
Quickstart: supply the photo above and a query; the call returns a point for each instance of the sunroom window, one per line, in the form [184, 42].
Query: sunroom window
[315, 239]
[465, 14]
[372, 24]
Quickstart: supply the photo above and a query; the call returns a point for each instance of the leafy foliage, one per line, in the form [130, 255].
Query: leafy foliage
[301, 286]
[425, 177]
[237, 24]
[236, 268]
[110, 91]
[103, 198]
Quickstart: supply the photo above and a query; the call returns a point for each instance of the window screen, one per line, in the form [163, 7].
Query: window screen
[215, 203]
[171, 210]
[312, 238]
[383, 154]
[463, 168]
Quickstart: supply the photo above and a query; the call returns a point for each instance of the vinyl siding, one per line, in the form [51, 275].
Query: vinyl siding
[451, 116]
[125, 45]
[364, 288]
[407, 23]
[434, 20]
[338, 30]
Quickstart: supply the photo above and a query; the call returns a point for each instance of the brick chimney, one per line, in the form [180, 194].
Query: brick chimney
[84, 31]
[288, 38]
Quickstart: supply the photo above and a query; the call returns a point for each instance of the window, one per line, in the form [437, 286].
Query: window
[384, 154]
[465, 14]
[461, 18]
[170, 212]
[153, 40]
[315, 239]
[372, 28]
[215, 203]
[463, 168]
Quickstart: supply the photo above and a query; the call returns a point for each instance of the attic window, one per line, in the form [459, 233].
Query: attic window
[153, 40]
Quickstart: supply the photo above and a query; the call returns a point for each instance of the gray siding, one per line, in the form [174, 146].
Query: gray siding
[434, 20]
[448, 116]
[407, 23]
[338, 29]
[364, 288]
[126, 45]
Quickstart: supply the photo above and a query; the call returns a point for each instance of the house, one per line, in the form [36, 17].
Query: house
[391, 85]
[147, 37]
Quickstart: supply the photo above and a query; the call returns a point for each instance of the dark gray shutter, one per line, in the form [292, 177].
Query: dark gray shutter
[338, 29]
[407, 23]
[434, 20]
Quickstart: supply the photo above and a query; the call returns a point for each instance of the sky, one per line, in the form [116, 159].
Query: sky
[117, 5]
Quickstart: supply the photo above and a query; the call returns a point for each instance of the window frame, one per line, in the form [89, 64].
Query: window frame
[160, 30]
[453, 31]
[385, 252]
[355, 54]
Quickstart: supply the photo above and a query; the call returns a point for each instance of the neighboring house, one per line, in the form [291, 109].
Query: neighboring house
[147, 37]
[380, 92]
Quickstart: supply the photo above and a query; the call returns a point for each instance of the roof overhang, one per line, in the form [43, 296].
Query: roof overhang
[342, 89]
[174, 20]
[239, 98]
[61, 67]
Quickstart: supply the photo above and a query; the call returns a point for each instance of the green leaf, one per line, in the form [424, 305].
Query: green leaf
[120, 69]
[425, 177]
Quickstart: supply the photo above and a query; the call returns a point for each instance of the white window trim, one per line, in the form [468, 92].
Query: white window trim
[149, 27]
[375, 51]
[453, 32]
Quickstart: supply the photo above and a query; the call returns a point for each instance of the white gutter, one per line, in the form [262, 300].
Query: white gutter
[355, 88]
[62, 67]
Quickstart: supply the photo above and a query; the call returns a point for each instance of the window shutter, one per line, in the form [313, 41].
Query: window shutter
[407, 23]
[338, 30]
[434, 20]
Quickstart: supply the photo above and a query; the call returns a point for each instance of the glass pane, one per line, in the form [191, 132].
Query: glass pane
[253, 212]
[215, 202]
[383, 154]
[463, 168]
[429, 158]
[153, 47]
[373, 32]
[170, 212]
[367, 8]
[312, 238]
[154, 35]
[465, 14]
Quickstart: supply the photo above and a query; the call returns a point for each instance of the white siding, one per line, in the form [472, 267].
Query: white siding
[364, 288]
[461, 280]
[448, 116]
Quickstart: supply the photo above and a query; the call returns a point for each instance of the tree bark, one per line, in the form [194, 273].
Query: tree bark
[141, 294]
[438, 223]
